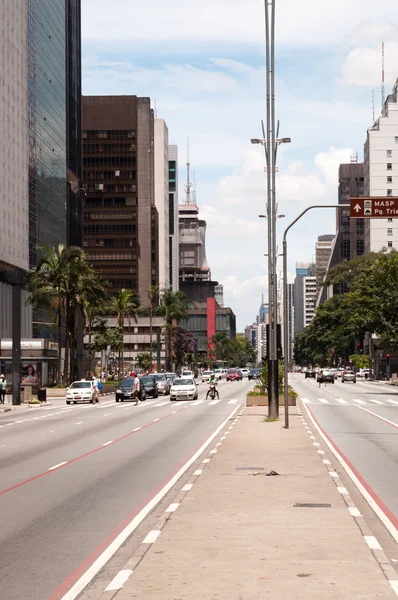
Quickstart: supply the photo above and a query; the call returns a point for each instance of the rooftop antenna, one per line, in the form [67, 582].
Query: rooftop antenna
[383, 90]
[373, 105]
[188, 184]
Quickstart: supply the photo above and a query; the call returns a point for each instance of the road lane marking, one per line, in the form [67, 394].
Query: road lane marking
[79, 422]
[305, 400]
[393, 401]
[214, 402]
[197, 402]
[198, 472]
[119, 580]
[323, 401]
[233, 401]
[341, 401]
[107, 443]
[354, 512]
[61, 464]
[161, 403]
[155, 420]
[206, 460]
[107, 414]
[359, 401]
[342, 490]
[152, 537]
[375, 401]
[173, 507]
[333, 474]
[187, 487]
[137, 428]
[378, 417]
[372, 542]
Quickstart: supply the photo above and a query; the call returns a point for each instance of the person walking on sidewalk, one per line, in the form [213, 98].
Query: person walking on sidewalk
[3, 389]
[137, 390]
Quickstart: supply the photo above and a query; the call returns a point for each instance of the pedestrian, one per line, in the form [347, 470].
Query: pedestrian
[95, 390]
[137, 389]
[3, 389]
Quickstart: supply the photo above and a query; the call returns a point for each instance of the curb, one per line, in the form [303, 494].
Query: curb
[370, 540]
[117, 583]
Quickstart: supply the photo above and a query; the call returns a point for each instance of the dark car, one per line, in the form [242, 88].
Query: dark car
[234, 375]
[325, 376]
[124, 390]
[310, 373]
[254, 373]
[150, 385]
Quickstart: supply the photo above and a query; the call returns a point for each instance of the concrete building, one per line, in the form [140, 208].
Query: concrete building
[120, 217]
[173, 219]
[207, 318]
[303, 270]
[219, 294]
[381, 171]
[309, 298]
[162, 202]
[323, 248]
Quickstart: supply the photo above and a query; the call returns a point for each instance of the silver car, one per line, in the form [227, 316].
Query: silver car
[163, 383]
[348, 375]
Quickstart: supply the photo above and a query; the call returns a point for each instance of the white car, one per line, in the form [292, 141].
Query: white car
[245, 372]
[206, 376]
[184, 388]
[187, 373]
[80, 391]
[220, 373]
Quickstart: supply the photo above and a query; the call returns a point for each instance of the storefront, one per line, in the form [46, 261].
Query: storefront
[39, 361]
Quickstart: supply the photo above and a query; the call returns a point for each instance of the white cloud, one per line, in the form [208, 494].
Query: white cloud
[363, 66]
[328, 163]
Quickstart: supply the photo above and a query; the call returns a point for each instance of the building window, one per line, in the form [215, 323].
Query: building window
[389, 231]
[389, 192]
[396, 139]
[389, 179]
[389, 153]
[389, 166]
[389, 243]
[389, 220]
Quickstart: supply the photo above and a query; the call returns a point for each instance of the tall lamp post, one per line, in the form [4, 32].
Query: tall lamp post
[285, 311]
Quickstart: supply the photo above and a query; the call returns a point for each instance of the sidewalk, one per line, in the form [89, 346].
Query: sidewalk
[238, 536]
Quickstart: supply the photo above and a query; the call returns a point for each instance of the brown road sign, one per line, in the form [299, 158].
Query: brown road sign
[374, 207]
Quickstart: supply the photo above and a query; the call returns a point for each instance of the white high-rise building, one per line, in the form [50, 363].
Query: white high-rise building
[174, 238]
[309, 298]
[162, 199]
[381, 171]
[219, 294]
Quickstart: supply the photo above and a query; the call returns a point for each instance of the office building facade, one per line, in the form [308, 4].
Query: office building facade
[219, 294]
[173, 219]
[323, 248]
[301, 312]
[381, 171]
[120, 218]
[162, 201]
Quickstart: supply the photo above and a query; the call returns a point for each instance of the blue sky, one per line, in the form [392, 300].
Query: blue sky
[203, 62]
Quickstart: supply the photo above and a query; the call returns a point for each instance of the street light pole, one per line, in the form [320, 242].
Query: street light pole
[285, 311]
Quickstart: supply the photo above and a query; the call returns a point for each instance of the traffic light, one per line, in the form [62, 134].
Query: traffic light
[387, 359]
[3, 367]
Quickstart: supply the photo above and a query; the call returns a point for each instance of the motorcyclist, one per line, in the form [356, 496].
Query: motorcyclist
[213, 381]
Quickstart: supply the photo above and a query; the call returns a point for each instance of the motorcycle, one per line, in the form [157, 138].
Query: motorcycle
[213, 390]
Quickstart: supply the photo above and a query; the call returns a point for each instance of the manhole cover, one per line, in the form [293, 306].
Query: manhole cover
[311, 505]
[250, 468]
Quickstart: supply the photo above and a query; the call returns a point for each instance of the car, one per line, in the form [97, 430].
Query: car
[150, 385]
[234, 375]
[206, 375]
[310, 373]
[184, 388]
[325, 376]
[254, 373]
[187, 373]
[219, 373]
[348, 375]
[125, 390]
[171, 377]
[363, 373]
[339, 372]
[245, 372]
[80, 391]
[163, 383]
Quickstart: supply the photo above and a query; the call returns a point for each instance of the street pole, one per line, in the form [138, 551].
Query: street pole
[285, 308]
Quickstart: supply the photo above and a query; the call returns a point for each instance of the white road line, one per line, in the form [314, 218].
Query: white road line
[79, 422]
[393, 401]
[394, 585]
[323, 400]
[372, 542]
[233, 401]
[305, 400]
[151, 537]
[342, 490]
[137, 428]
[197, 402]
[213, 451]
[107, 414]
[320, 452]
[187, 487]
[198, 472]
[341, 401]
[206, 460]
[378, 417]
[214, 402]
[119, 580]
[107, 443]
[333, 474]
[161, 404]
[375, 401]
[359, 401]
[173, 507]
[155, 420]
[354, 512]
[58, 465]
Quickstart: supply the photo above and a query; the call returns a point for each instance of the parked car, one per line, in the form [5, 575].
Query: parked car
[206, 376]
[163, 383]
[80, 391]
[150, 385]
[245, 372]
[325, 376]
[125, 390]
[234, 375]
[254, 373]
[310, 373]
[348, 375]
[184, 388]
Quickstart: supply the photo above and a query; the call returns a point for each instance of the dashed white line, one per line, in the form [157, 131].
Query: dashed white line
[173, 507]
[320, 452]
[198, 472]
[79, 422]
[358, 401]
[107, 414]
[187, 487]
[333, 474]
[107, 443]
[326, 462]
[305, 400]
[58, 465]
[161, 404]
[375, 401]
[119, 580]
[206, 460]
[393, 401]
[354, 512]
[155, 420]
[213, 451]
[372, 542]
[214, 402]
[151, 537]
[197, 402]
[341, 401]
[137, 428]
[342, 490]
[233, 401]
[323, 401]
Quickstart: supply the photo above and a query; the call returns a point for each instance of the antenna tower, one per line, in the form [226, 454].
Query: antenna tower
[188, 185]
[383, 90]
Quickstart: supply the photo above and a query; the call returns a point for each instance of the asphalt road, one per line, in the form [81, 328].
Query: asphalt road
[72, 477]
[361, 422]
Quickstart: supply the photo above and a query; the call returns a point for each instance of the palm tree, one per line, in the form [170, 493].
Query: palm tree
[124, 305]
[173, 307]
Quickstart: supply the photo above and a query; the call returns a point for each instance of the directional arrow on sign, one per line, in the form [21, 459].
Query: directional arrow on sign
[357, 208]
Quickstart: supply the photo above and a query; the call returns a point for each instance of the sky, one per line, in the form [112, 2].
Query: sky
[202, 63]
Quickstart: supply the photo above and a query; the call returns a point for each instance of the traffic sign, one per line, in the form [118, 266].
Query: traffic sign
[374, 207]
